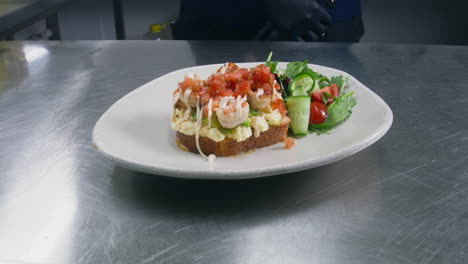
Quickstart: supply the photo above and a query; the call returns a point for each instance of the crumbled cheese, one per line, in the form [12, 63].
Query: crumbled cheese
[274, 118]
[240, 133]
[259, 124]
[188, 127]
[180, 114]
[267, 109]
[212, 133]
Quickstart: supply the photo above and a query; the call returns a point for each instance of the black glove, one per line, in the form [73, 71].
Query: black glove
[295, 20]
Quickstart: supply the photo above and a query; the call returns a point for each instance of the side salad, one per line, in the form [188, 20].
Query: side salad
[316, 103]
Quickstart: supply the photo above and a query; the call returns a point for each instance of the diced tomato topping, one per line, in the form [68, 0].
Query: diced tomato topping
[279, 104]
[262, 74]
[235, 82]
[289, 143]
[195, 85]
[216, 85]
[245, 73]
[233, 78]
[242, 88]
[204, 95]
[224, 92]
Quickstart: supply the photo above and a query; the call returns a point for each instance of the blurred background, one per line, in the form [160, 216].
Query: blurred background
[397, 21]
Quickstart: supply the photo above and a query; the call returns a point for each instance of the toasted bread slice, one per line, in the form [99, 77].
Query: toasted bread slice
[229, 147]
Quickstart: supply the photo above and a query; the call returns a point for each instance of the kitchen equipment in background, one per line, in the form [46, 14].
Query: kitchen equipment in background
[159, 32]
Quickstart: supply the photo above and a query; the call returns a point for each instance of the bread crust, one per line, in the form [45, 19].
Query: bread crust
[230, 147]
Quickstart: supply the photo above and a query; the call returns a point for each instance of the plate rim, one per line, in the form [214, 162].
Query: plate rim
[251, 173]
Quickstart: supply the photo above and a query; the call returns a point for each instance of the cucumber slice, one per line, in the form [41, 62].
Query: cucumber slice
[298, 92]
[299, 111]
[305, 81]
[316, 88]
[319, 84]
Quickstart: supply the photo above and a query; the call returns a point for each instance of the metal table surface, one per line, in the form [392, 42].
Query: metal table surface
[402, 200]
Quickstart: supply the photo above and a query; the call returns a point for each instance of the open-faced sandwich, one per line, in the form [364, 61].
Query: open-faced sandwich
[235, 110]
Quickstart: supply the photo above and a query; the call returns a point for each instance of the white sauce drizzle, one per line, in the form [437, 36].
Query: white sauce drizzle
[197, 129]
[276, 95]
[256, 130]
[224, 101]
[185, 99]
[210, 112]
[239, 102]
[211, 157]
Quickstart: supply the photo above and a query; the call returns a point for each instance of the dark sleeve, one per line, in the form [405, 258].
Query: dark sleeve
[229, 12]
[345, 9]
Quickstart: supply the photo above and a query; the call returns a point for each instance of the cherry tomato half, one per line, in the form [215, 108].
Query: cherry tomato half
[331, 90]
[334, 90]
[318, 113]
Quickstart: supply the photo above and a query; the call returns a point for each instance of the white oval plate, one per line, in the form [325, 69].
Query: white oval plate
[135, 133]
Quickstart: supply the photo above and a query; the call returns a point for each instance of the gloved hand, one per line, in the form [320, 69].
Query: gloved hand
[296, 19]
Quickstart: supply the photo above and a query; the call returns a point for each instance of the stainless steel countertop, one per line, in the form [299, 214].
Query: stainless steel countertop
[402, 200]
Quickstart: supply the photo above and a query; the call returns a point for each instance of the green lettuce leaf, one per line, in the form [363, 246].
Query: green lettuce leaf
[338, 111]
[340, 81]
[295, 68]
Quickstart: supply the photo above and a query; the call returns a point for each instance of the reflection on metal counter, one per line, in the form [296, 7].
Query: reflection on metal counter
[402, 200]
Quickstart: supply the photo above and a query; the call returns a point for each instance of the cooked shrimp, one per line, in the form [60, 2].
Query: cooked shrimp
[258, 100]
[210, 107]
[190, 88]
[232, 111]
[228, 67]
[190, 98]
